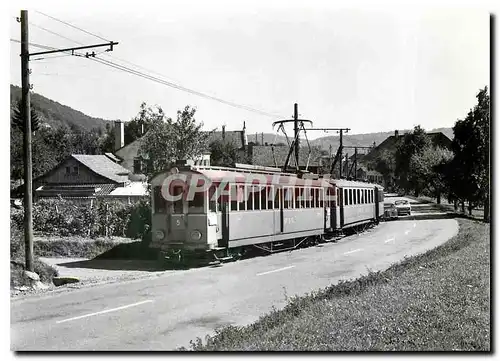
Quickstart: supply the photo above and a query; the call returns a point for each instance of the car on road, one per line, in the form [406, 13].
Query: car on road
[390, 211]
[403, 206]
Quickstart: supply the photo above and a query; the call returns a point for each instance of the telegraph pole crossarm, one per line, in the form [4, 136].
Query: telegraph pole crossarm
[110, 44]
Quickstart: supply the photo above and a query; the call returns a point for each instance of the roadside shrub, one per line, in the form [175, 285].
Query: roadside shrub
[105, 218]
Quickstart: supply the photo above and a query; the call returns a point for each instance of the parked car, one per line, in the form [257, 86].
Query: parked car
[390, 211]
[403, 207]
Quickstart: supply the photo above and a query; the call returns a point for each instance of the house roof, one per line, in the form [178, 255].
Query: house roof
[132, 189]
[263, 155]
[112, 157]
[103, 166]
[76, 190]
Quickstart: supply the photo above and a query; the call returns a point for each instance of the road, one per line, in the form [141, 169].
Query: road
[166, 312]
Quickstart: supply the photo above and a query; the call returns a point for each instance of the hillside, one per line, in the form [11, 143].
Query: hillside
[348, 139]
[56, 114]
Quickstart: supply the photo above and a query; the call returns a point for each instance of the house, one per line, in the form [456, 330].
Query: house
[86, 177]
[391, 143]
[129, 158]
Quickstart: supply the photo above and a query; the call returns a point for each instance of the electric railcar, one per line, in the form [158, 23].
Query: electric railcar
[217, 213]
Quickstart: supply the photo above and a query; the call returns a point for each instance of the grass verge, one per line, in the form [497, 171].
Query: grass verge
[438, 301]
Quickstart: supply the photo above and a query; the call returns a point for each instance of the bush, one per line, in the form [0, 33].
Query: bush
[105, 218]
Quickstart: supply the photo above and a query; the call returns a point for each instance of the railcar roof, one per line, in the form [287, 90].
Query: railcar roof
[347, 183]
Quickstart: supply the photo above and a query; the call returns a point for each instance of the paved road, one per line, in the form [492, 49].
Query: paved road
[166, 312]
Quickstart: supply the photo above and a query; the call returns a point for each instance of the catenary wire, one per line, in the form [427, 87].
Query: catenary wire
[71, 25]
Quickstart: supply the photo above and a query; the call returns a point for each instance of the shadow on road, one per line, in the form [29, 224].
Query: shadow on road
[115, 265]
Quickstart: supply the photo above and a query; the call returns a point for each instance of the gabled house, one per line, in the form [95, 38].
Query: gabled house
[85, 177]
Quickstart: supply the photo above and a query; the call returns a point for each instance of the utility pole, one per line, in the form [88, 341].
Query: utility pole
[294, 145]
[26, 112]
[296, 132]
[338, 156]
[25, 98]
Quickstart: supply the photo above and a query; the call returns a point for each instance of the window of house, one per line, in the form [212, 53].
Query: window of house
[68, 170]
[75, 170]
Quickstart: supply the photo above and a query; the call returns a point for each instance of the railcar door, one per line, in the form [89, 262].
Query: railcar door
[278, 209]
[377, 200]
[178, 212]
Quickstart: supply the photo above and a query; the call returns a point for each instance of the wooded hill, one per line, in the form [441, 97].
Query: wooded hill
[56, 114]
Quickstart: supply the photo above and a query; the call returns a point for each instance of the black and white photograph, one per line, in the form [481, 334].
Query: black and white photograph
[250, 176]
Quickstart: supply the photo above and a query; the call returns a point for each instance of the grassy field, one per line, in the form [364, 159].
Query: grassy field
[438, 301]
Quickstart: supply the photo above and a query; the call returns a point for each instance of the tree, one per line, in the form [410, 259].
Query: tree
[413, 143]
[17, 117]
[170, 140]
[428, 170]
[469, 171]
[142, 122]
[226, 154]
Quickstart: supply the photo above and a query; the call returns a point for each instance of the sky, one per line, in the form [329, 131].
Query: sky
[368, 68]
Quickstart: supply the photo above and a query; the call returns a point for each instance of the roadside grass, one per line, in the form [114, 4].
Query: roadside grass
[17, 267]
[75, 246]
[437, 301]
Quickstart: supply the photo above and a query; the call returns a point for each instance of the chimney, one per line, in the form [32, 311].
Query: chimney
[244, 142]
[119, 134]
[396, 133]
[223, 132]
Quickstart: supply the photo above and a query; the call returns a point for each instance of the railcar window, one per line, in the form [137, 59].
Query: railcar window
[213, 194]
[234, 197]
[270, 196]
[288, 198]
[241, 196]
[249, 198]
[346, 197]
[317, 193]
[307, 198]
[159, 201]
[263, 198]
[321, 192]
[278, 193]
[256, 197]
[298, 196]
[350, 196]
[197, 203]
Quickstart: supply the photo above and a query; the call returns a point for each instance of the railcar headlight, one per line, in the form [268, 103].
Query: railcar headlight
[196, 235]
[159, 234]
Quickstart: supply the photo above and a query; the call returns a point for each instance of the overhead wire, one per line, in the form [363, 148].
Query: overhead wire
[141, 74]
[178, 87]
[71, 25]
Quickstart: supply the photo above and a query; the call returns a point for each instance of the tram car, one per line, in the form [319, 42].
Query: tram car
[218, 213]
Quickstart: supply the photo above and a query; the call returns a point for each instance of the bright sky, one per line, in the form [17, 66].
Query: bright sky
[367, 68]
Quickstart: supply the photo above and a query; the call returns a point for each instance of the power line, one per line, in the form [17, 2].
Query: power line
[178, 87]
[159, 80]
[54, 33]
[73, 26]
